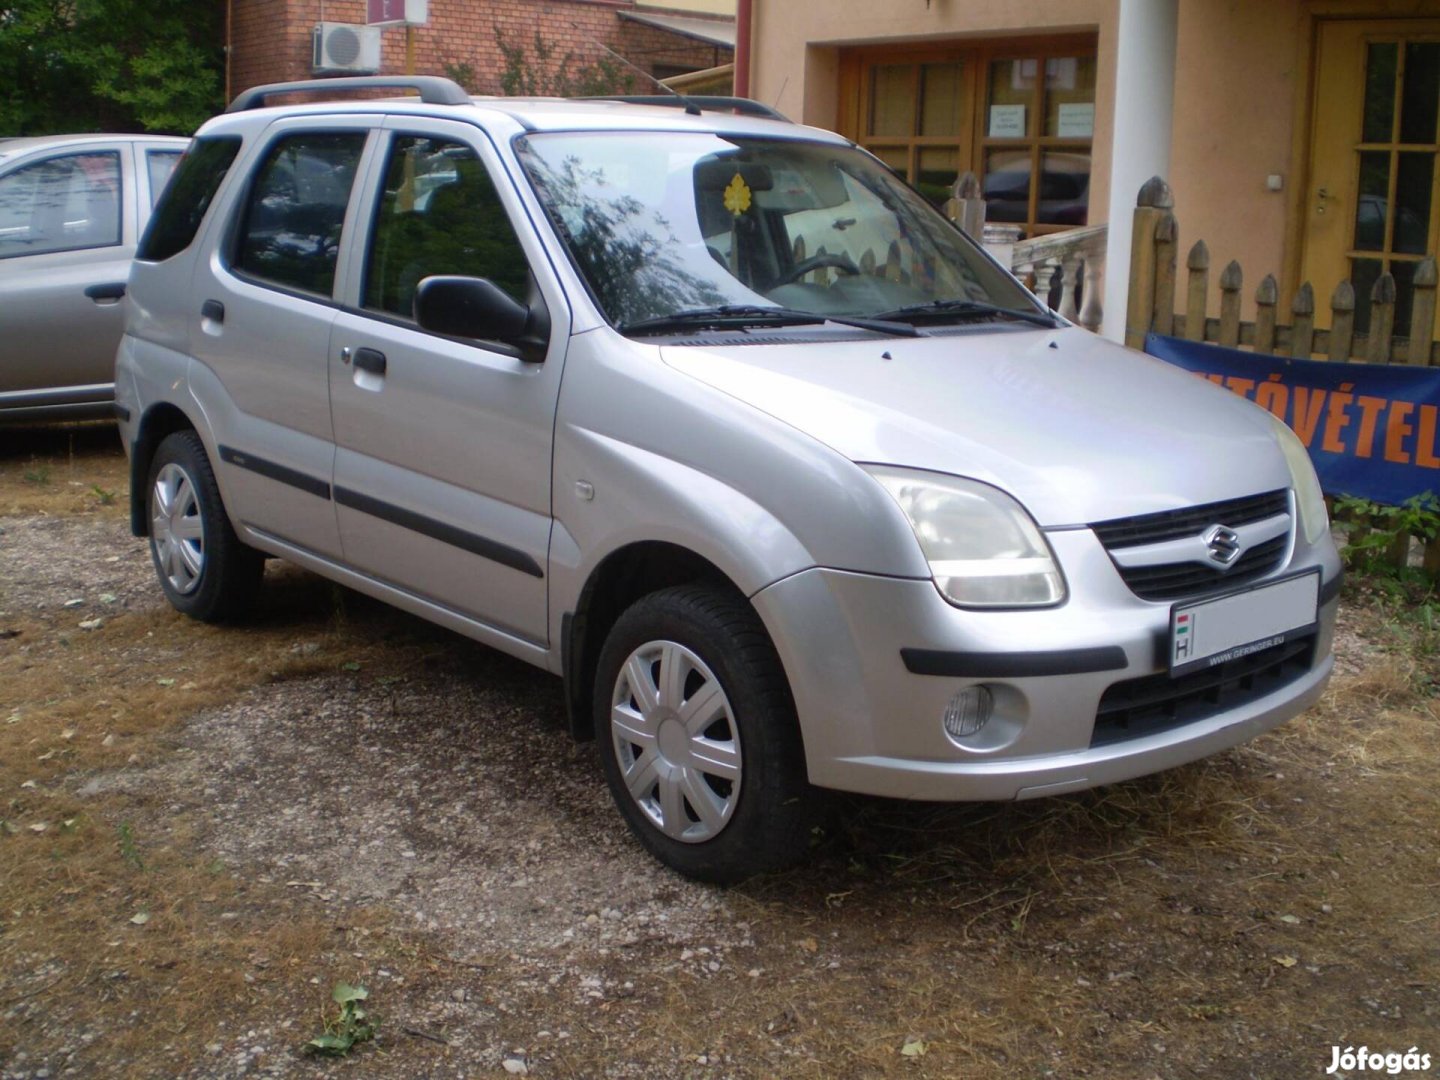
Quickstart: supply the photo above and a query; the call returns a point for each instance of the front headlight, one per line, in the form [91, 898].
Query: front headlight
[983, 549]
[1309, 498]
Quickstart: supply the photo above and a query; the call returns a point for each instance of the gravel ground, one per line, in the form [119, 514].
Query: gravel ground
[452, 799]
[455, 799]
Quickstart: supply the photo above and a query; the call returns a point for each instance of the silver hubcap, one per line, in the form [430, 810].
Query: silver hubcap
[676, 741]
[176, 530]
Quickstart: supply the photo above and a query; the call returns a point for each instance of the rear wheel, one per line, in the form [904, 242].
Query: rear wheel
[204, 568]
[698, 736]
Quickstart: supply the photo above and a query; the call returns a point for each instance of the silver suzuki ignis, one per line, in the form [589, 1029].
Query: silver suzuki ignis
[714, 417]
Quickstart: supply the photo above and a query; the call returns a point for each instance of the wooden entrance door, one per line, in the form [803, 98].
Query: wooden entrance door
[1373, 202]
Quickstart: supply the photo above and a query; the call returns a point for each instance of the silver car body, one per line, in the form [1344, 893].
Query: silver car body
[57, 358]
[746, 458]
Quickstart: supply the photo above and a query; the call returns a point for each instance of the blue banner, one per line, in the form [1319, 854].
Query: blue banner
[1373, 430]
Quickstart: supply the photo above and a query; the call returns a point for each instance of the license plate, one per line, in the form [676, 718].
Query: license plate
[1204, 633]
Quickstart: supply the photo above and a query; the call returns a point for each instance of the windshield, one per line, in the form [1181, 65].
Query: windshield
[666, 223]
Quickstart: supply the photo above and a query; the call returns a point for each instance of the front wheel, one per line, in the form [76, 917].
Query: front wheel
[204, 568]
[698, 736]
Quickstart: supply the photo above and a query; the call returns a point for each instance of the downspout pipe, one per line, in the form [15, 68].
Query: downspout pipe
[229, 49]
[744, 12]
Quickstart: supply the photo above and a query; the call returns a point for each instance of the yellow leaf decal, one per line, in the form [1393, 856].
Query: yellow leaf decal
[737, 196]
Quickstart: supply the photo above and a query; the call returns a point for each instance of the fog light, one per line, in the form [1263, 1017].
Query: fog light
[968, 712]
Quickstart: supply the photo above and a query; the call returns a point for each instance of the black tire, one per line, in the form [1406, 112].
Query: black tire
[216, 576]
[770, 807]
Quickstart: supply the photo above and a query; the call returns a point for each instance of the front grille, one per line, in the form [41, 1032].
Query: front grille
[1139, 707]
[1175, 580]
[1172, 581]
[1173, 524]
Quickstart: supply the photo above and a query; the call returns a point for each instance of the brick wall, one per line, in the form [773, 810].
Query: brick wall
[650, 48]
[270, 39]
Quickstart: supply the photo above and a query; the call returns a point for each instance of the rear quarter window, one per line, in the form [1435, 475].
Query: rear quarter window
[160, 164]
[188, 195]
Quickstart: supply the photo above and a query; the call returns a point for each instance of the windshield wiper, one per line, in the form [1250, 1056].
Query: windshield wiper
[964, 308]
[725, 316]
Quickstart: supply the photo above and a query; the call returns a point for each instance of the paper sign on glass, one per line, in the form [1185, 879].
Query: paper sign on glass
[1007, 121]
[1077, 120]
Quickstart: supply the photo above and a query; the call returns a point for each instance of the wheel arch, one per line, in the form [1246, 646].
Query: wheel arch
[620, 579]
[160, 420]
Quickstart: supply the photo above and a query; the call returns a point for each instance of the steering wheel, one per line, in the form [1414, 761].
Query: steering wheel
[815, 262]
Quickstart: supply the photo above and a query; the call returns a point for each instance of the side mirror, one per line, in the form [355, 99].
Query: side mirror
[469, 307]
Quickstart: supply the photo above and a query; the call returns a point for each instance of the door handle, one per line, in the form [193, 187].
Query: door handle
[110, 290]
[213, 310]
[370, 360]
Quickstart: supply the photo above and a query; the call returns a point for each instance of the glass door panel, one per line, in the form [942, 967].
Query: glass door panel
[939, 166]
[942, 98]
[1373, 159]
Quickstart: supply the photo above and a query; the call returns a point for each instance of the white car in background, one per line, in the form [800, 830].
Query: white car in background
[72, 208]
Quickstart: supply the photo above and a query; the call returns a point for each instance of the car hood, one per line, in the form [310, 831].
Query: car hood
[1078, 429]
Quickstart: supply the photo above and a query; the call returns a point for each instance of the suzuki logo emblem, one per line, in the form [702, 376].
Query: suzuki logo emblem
[1224, 544]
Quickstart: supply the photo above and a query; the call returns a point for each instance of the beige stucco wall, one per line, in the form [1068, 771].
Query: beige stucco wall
[1240, 65]
[704, 7]
[1238, 70]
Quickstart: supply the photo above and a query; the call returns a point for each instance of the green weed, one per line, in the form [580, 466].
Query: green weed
[351, 1026]
[128, 851]
[1378, 535]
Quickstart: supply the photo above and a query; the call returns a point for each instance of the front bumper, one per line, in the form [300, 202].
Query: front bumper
[872, 721]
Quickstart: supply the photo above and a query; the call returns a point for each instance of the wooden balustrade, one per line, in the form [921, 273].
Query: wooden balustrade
[1152, 309]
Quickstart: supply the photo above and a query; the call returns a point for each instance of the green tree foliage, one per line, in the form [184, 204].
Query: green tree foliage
[542, 71]
[109, 65]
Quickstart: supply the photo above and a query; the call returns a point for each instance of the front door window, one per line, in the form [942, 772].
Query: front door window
[63, 203]
[440, 214]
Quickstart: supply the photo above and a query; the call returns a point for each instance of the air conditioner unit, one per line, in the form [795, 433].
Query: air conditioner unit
[346, 47]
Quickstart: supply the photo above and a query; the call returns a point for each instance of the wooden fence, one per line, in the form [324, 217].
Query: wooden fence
[1154, 286]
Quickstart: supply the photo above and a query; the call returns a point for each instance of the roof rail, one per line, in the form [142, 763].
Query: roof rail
[743, 106]
[433, 89]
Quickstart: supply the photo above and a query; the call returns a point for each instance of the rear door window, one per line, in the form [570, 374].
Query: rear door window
[290, 229]
[64, 203]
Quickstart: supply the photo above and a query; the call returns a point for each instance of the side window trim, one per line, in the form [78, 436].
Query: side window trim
[237, 206]
[499, 348]
[124, 214]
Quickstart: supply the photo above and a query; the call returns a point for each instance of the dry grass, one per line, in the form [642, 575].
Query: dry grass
[69, 469]
[78, 869]
[1233, 918]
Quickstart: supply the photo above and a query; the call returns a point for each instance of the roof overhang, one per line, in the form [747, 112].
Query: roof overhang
[717, 32]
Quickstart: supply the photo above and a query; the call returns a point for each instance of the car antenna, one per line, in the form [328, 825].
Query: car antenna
[691, 108]
[781, 94]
